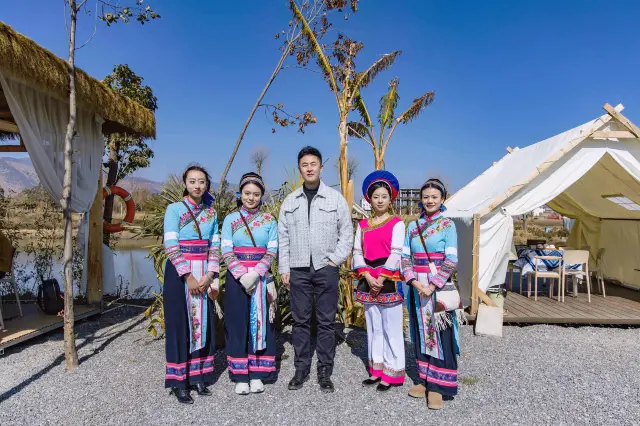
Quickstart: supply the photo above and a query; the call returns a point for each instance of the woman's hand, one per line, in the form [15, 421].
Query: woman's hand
[374, 285]
[272, 293]
[370, 280]
[193, 285]
[420, 288]
[205, 282]
[429, 290]
[213, 289]
[249, 281]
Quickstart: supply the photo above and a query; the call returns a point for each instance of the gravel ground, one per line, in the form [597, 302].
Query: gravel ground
[533, 375]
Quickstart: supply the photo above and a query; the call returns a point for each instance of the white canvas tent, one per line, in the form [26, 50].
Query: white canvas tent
[577, 173]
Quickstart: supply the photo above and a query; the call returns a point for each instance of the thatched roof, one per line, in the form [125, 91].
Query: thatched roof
[22, 58]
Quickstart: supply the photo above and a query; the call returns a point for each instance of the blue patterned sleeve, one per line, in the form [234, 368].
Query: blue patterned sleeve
[450, 257]
[272, 250]
[234, 266]
[213, 259]
[172, 240]
[406, 262]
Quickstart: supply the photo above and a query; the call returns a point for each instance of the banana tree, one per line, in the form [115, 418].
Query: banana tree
[343, 79]
[387, 120]
[345, 84]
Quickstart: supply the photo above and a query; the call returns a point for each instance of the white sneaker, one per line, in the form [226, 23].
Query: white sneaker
[257, 386]
[242, 388]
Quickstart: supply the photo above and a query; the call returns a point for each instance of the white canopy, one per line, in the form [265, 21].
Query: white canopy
[574, 173]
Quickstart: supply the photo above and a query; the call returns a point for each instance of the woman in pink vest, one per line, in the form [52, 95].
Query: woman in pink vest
[377, 252]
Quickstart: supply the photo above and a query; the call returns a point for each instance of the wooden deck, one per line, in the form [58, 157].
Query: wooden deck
[601, 310]
[35, 322]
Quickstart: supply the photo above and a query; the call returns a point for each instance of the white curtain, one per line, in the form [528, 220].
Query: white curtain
[42, 120]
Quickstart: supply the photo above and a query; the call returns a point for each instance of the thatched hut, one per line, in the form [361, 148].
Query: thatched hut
[21, 58]
[34, 109]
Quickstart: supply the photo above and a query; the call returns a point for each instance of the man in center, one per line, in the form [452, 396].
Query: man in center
[315, 237]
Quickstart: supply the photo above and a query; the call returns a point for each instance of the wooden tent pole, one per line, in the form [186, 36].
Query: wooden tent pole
[475, 264]
[622, 119]
[94, 252]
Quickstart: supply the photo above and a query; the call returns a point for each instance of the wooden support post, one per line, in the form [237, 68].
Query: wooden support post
[12, 148]
[622, 119]
[475, 275]
[94, 253]
[8, 126]
[486, 299]
[613, 135]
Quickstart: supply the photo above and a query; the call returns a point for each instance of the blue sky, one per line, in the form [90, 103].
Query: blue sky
[505, 73]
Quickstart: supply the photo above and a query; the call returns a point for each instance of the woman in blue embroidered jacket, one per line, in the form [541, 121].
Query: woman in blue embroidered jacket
[434, 303]
[190, 286]
[249, 247]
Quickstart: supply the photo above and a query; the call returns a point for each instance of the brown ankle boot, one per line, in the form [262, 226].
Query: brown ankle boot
[434, 401]
[417, 391]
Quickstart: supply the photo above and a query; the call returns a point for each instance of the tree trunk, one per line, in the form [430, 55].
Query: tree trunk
[277, 69]
[112, 179]
[379, 163]
[70, 353]
[344, 159]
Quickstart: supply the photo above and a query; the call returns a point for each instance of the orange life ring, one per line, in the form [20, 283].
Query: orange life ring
[131, 208]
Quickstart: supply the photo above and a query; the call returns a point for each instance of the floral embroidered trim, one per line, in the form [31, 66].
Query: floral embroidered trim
[371, 227]
[262, 363]
[194, 367]
[442, 376]
[438, 225]
[254, 220]
[381, 299]
[238, 365]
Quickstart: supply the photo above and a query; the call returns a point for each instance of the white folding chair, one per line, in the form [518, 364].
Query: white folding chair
[9, 279]
[598, 272]
[576, 257]
[552, 275]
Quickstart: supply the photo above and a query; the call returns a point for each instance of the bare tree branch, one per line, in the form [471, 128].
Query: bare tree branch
[95, 26]
[259, 158]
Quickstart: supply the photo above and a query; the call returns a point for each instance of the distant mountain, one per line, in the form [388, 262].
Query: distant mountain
[132, 183]
[18, 174]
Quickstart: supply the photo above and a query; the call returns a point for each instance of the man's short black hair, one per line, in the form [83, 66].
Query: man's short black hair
[309, 150]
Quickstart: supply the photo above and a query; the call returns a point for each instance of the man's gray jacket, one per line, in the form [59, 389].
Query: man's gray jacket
[325, 235]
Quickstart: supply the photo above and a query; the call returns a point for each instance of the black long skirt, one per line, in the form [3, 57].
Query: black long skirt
[245, 363]
[439, 375]
[184, 368]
